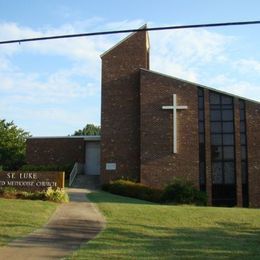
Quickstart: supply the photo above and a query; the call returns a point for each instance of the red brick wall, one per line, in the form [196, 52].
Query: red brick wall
[40, 151]
[208, 147]
[158, 163]
[253, 143]
[239, 194]
[120, 138]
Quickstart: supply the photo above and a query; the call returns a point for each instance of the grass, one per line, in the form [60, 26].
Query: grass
[20, 217]
[142, 230]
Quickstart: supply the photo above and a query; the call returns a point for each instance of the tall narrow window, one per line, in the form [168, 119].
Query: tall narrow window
[243, 145]
[201, 122]
[222, 149]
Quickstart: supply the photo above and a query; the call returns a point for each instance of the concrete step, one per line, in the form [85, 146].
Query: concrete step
[91, 182]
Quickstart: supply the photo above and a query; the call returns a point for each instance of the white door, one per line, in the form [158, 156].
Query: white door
[92, 158]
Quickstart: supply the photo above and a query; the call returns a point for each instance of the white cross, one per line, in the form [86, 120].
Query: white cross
[174, 108]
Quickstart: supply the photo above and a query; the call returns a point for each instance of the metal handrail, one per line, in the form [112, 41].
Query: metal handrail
[78, 168]
[73, 173]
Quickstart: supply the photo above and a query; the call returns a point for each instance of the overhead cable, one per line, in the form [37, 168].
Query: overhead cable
[177, 27]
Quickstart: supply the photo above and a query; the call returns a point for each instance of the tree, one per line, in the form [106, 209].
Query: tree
[12, 145]
[89, 129]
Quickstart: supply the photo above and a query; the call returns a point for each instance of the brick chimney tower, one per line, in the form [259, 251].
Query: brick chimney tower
[120, 109]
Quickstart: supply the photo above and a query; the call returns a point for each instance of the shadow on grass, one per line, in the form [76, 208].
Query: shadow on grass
[224, 241]
[106, 197]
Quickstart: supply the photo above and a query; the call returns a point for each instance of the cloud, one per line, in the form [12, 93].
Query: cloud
[237, 87]
[182, 52]
[248, 65]
[80, 79]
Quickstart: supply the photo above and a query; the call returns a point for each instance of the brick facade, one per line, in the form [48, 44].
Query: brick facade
[137, 134]
[58, 151]
[158, 163]
[253, 144]
[120, 118]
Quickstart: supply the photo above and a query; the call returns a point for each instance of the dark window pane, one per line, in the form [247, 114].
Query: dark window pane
[214, 98]
[228, 139]
[215, 115]
[229, 172]
[200, 92]
[242, 104]
[230, 107]
[201, 138]
[242, 127]
[201, 102]
[202, 152]
[201, 127]
[201, 115]
[202, 173]
[217, 177]
[227, 115]
[215, 127]
[243, 139]
[216, 139]
[226, 100]
[215, 107]
[216, 152]
[243, 152]
[244, 172]
[228, 153]
[228, 127]
[242, 115]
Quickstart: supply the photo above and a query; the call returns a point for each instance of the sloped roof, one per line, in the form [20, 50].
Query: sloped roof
[126, 38]
[85, 137]
[200, 85]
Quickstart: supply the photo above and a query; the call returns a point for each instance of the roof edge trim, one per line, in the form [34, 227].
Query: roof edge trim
[85, 137]
[120, 42]
[202, 86]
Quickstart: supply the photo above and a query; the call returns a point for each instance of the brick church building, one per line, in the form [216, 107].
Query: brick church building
[156, 127]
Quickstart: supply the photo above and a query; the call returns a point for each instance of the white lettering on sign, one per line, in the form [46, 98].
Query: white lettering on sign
[28, 175]
[110, 166]
[11, 175]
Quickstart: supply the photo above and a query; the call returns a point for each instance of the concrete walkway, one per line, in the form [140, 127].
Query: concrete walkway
[72, 224]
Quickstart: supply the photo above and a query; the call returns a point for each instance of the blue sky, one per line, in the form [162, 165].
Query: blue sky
[53, 87]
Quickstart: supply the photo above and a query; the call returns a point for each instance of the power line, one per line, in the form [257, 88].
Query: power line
[131, 30]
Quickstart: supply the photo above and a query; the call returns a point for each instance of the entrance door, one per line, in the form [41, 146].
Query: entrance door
[92, 158]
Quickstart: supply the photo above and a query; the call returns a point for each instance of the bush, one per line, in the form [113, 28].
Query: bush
[67, 168]
[134, 190]
[8, 192]
[179, 192]
[57, 195]
[183, 192]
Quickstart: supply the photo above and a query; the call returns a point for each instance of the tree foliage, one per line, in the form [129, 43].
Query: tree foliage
[89, 129]
[12, 145]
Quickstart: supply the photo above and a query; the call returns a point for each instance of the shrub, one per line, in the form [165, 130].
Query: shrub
[134, 190]
[57, 195]
[179, 192]
[37, 195]
[8, 192]
[183, 192]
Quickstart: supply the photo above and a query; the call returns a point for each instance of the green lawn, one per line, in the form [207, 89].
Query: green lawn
[141, 230]
[20, 217]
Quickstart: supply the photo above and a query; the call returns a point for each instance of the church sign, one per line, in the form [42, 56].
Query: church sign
[31, 181]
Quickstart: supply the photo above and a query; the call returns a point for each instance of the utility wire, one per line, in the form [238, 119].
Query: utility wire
[131, 30]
